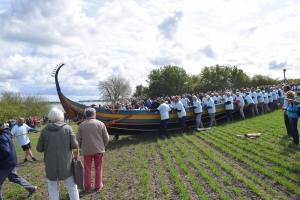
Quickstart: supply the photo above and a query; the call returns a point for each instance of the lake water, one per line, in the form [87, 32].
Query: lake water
[88, 103]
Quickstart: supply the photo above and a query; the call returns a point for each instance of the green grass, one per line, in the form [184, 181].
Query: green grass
[214, 164]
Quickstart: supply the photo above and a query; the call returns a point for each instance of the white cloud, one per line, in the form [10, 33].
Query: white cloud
[130, 38]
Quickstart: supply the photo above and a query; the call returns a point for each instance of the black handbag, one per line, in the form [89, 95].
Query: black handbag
[78, 172]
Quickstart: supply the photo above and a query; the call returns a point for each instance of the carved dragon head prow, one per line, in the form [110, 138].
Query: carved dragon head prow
[55, 73]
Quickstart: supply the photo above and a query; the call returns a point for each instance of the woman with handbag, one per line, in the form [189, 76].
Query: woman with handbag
[57, 140]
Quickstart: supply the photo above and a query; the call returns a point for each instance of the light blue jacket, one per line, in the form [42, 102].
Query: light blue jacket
[292, 111]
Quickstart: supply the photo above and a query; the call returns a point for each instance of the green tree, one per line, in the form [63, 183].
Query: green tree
[167, 80]
[140, 90]
[237, 78]
[258, 80]
[35, 105]
[15, 105]
[220, 77]
[214, 77]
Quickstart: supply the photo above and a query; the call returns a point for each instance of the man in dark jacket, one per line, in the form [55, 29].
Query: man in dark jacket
[154, 104]
[8, 161]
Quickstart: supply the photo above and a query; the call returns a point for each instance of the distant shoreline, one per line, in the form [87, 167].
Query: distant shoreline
[54, 102]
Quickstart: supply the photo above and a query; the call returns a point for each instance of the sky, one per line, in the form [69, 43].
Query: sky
[96, 39]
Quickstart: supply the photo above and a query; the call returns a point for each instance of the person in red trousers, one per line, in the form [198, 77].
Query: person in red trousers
[92, 137]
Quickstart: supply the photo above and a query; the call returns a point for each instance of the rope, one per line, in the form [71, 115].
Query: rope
[19, 135]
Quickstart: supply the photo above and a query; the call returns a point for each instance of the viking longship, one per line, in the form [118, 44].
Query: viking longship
[128, 122]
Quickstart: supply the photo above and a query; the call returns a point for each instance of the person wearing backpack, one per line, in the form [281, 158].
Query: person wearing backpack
[292, 112]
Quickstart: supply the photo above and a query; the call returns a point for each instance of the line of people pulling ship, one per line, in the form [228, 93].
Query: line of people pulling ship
[257, 99]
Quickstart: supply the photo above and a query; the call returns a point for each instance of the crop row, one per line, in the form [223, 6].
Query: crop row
[241, 156]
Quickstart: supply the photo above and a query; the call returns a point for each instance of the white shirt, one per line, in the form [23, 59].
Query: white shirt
[229, 106]
[204, 101]
[266, 99]
[214, 98]
[21, 134]
[249, 99]
[274, 95]
[185, 102]
[211, 103]
[241, 99]
[260, 98]
[253, 96]
[279, 95]
[218, 99]
[270, 97]
[224, 96]
[173, 104]
[285, 102]
[198, 106]
[164, 111]
[233, 96]
[180, 106]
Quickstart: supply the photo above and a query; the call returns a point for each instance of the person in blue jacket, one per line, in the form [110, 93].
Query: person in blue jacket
[8, 161]
[292, 112]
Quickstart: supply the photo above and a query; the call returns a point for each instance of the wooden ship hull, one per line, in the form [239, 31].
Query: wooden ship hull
[129, 122]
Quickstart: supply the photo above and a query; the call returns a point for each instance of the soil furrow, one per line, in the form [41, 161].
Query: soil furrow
[225, 180]
[182, 175]
[241, 165]
[173, 192]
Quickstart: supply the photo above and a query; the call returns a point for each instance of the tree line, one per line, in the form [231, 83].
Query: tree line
[171, 80]
[16, 105]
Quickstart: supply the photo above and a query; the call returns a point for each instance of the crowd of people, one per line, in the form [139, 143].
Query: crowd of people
[136, 103]
[259, 100]
[33, 122]
[57, 139]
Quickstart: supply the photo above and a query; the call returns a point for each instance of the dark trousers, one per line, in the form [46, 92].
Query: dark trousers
[287, 125]
[182, 124]
[275, 104]
[293, 125]
[250, 110]
[271, 106]
[13, 177]
[229, 116]
[163, 127]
